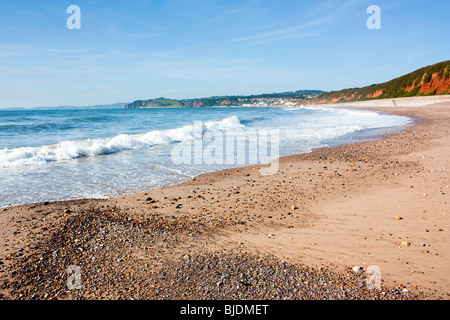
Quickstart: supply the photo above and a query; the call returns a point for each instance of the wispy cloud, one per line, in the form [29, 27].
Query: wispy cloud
[329, 14]
[284, 33]
[414, 56]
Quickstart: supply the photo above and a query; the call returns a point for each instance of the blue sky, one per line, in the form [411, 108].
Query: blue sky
[129, 50]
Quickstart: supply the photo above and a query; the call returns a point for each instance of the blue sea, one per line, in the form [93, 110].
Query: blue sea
[48, 155]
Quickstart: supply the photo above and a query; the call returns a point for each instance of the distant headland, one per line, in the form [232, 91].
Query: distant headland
[428, 81]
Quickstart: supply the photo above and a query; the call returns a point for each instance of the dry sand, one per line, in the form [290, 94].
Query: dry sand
[382, 203]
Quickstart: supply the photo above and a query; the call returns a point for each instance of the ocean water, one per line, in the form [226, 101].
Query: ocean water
[48, 155]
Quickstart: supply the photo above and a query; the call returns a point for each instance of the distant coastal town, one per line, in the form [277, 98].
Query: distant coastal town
[264, 100]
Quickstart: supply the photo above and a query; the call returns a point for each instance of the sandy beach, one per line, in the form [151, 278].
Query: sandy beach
[237, 234]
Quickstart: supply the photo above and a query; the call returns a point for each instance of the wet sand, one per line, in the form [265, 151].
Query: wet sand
[237, 234]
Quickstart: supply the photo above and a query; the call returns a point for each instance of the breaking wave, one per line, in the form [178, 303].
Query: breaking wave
[66, 150]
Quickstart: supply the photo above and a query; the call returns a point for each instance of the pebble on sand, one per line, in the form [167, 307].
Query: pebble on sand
[357, 269]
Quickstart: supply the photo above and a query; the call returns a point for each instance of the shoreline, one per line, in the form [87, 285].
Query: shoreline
[353, 137]
[318, 210]
[359, 135]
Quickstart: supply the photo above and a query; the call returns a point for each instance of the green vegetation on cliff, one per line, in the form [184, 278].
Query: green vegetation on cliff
[430, 80]
[155, 103]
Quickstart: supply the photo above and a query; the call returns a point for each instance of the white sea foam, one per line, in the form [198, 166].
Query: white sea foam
[24, 180]
[67, 150]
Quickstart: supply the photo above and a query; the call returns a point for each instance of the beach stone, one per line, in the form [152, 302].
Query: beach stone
[357, 269]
